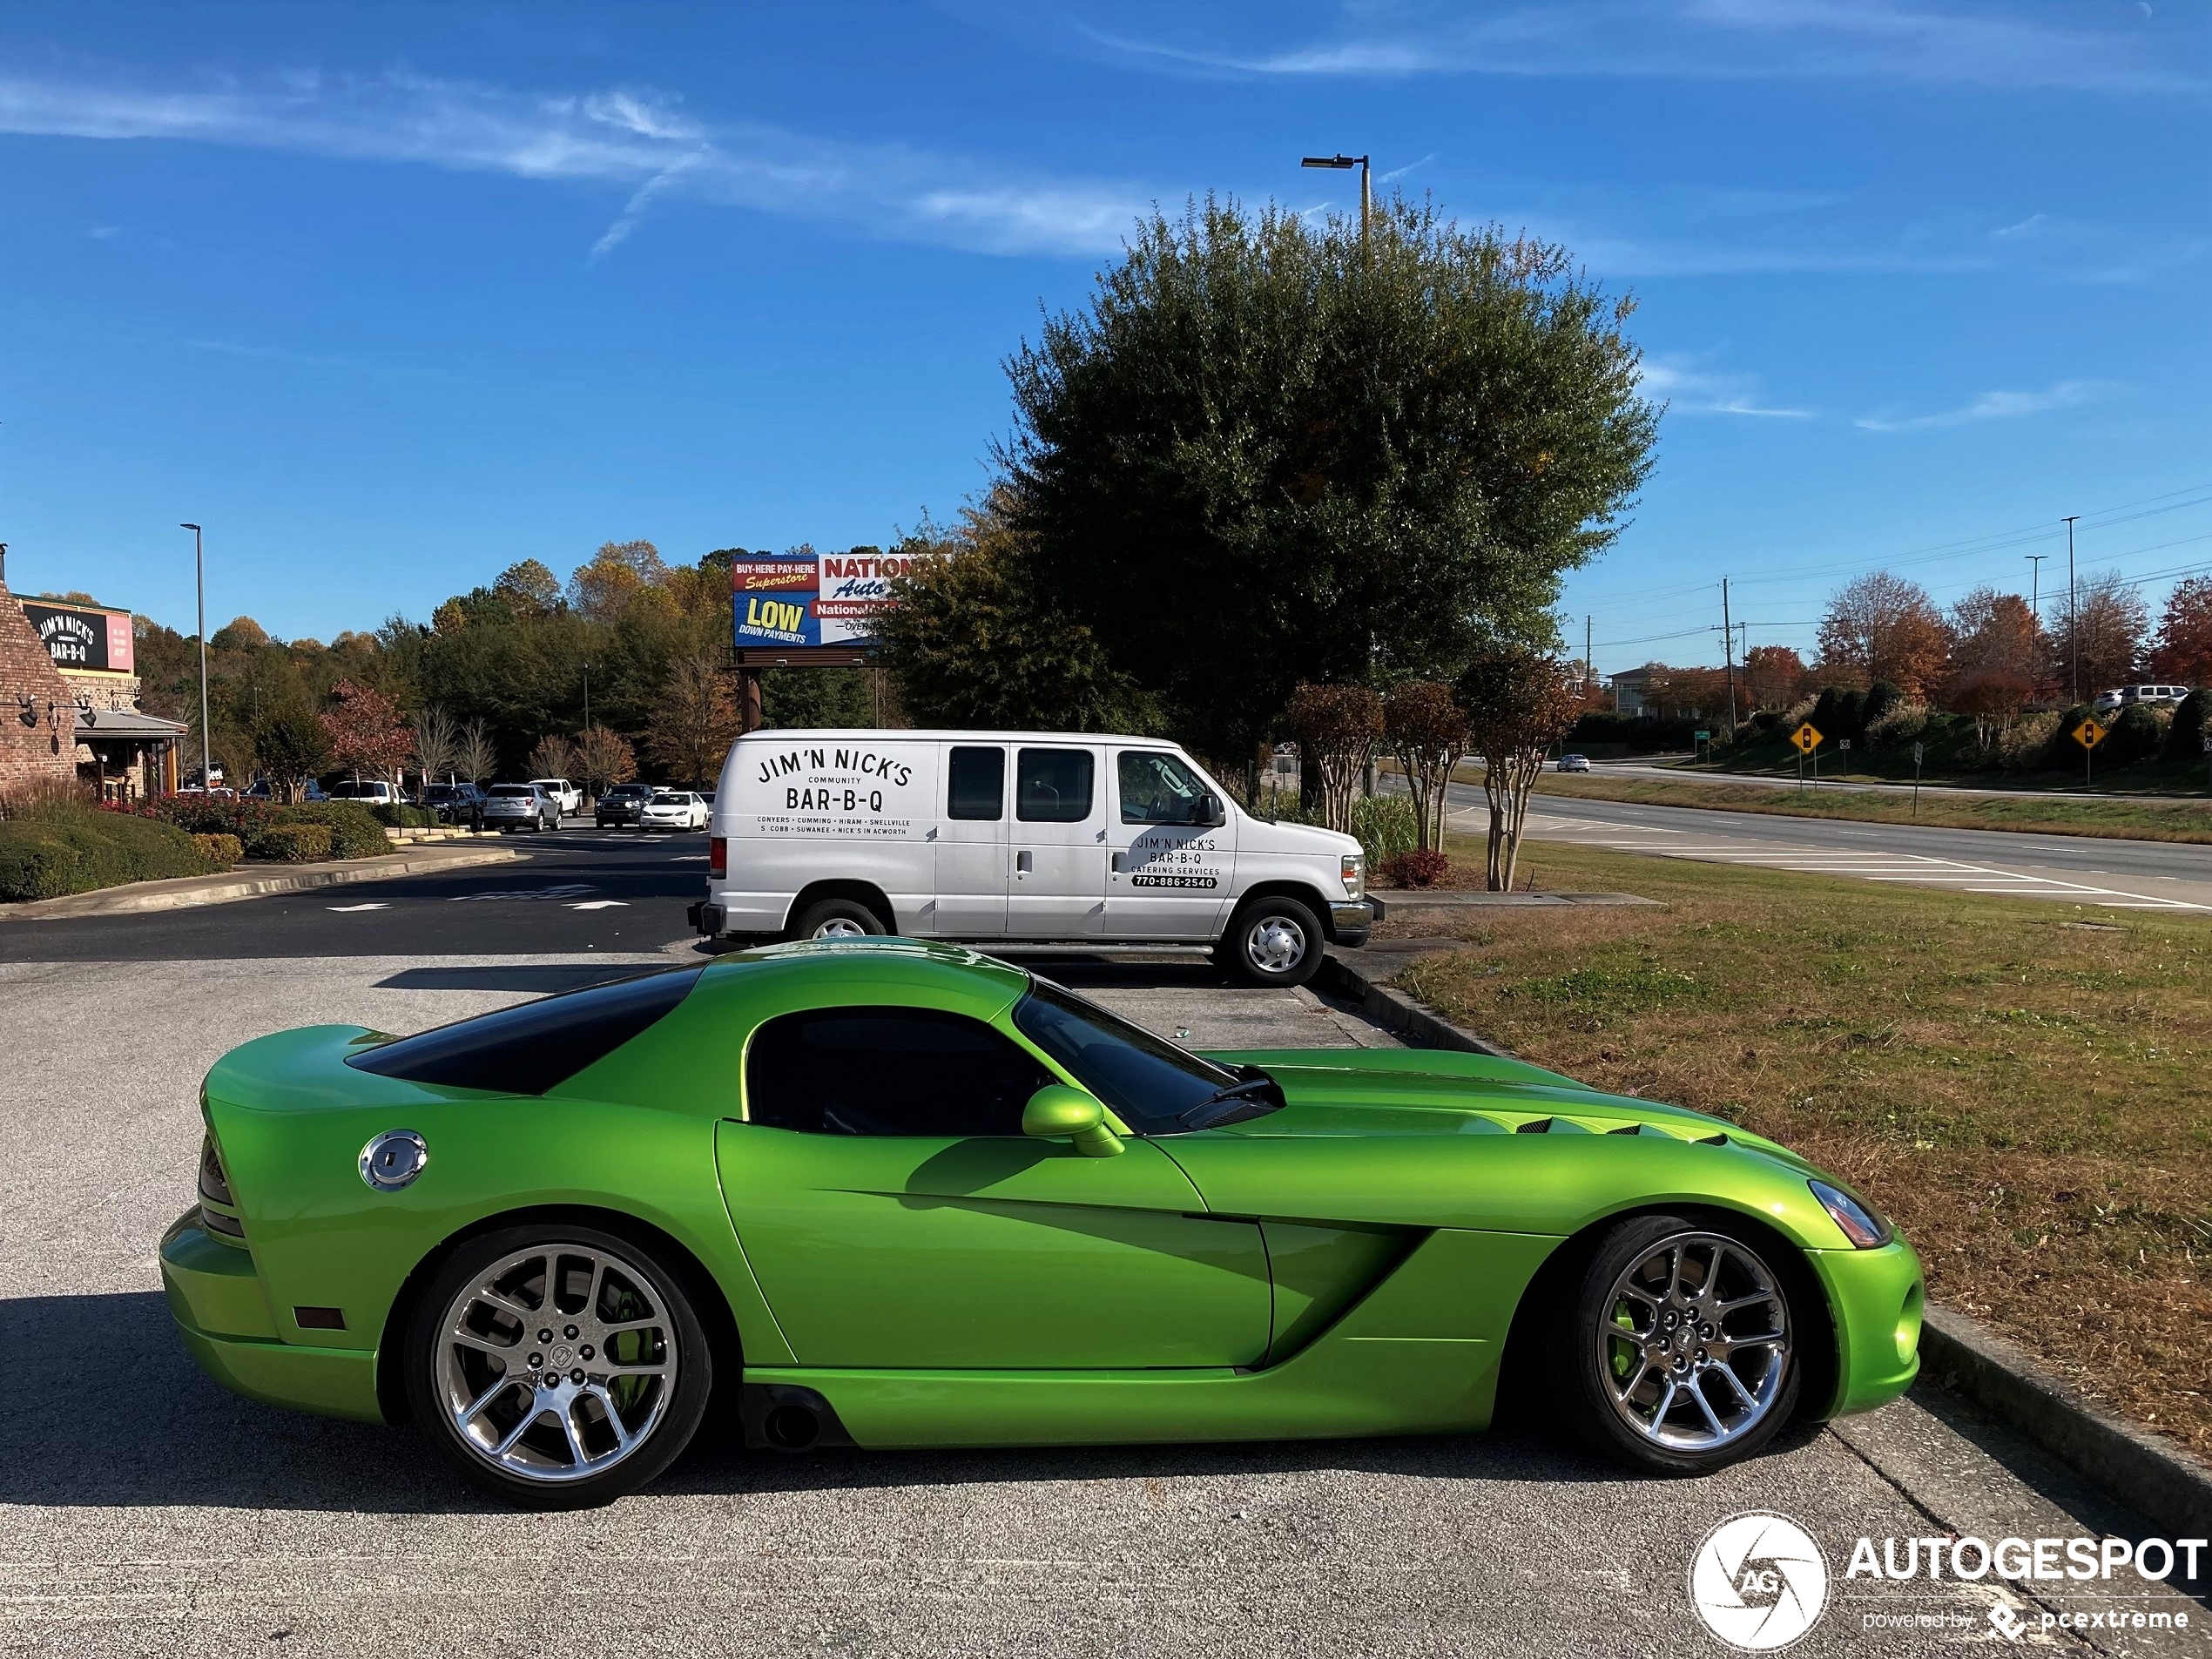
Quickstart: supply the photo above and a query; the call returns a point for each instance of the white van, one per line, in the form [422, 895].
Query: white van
[1036, 836]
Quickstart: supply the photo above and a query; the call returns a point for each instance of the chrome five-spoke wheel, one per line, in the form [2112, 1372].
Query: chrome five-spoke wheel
[1696, 1343]
[557, 1366]
[558, 1362]
[1674, 1342]
[840, 928]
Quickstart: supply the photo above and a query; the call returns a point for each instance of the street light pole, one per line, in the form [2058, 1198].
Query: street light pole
[199, 590]
[2073, 610]
[1340, 163]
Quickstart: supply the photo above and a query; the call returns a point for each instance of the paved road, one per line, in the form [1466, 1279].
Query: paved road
[145, 1511]
[1652, 770]
[2088, 870]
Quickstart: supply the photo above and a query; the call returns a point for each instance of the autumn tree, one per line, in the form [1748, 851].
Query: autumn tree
[1426, 729]
[1993, 630]
[1519, 703]
[603, 759]
[554, 757]
[2100, 635]
[527, 589]
[1881, 627]
[697, 719]
[365, 733]
[2182, 651]
[291, 746]
[1774, 676]
[604, 586]
[1337, 728]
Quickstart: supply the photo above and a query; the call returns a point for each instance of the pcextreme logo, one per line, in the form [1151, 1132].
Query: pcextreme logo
[1759, 1582]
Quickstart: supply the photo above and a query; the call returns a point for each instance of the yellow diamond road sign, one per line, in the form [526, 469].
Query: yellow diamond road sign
[2088, 734]
[1806, 737]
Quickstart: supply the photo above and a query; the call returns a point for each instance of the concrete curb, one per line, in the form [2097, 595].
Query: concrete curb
[1395, 1011]
[2159, 1482]
[185, 892]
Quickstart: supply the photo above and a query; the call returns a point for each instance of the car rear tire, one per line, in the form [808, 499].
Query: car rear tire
[838, 919]
[1273, 940]
[1673, 1349]
[557, 1366]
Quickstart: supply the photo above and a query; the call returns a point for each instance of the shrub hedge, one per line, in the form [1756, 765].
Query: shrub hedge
[296, 843]
[354, 831]
[75, 849]
[219, 849]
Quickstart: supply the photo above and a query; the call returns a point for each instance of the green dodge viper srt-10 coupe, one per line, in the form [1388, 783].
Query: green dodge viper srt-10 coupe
[877, 1193]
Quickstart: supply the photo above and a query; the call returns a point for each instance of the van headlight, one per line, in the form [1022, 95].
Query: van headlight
[1355, 875]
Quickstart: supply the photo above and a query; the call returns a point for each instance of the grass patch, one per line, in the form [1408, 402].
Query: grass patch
[2134, 820]
[2029, 1096]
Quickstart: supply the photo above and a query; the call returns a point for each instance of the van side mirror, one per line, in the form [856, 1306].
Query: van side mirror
[1058, 1113]
[1211, 815]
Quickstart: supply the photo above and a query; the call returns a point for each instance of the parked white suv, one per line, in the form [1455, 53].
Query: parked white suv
[2112, 701]
[566, 795]
[1020, 836]
[370, 791]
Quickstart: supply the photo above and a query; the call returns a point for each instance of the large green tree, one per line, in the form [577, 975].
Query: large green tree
[1269, 451]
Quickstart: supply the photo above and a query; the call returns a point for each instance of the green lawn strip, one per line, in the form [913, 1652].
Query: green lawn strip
[2022, 1085]
[2139, 821]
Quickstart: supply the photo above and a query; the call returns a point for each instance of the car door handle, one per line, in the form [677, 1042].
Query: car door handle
[1024, 862]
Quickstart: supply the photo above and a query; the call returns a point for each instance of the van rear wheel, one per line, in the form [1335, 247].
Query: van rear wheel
[836, 918]
[1274, 939]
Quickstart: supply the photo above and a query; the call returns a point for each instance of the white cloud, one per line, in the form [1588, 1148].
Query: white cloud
[638, 139]
[1689, 390]
[1892, 40]
[1997, 405]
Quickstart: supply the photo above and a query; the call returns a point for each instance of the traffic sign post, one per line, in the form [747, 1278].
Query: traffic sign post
[2088, 734]
[1705, 741]
[1917, 751]
[1807, 738]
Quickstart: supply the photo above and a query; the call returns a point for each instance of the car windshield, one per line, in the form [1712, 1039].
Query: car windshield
[1154, 1087]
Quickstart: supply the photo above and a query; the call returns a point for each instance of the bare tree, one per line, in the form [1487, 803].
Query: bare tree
[1519, 703]
[1426, 729]
[1337, 727]
[2103, 631]
[435, 737]
[475, 756]
[555, 757]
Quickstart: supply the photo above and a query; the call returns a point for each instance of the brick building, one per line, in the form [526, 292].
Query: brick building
[37, 708]
[92, 725]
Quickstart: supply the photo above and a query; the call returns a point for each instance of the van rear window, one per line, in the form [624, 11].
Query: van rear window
[536, 1046]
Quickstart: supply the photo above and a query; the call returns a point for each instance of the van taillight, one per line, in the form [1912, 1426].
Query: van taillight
[717, 855]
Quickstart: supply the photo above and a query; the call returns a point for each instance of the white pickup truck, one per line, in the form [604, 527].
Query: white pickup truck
[566, 794]
[1064, 837]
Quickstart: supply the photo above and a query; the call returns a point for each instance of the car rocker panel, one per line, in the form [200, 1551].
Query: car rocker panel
[1349, 1258]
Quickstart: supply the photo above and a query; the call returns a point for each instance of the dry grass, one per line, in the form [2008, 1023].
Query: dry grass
[2022, 1085]
[2134, 820]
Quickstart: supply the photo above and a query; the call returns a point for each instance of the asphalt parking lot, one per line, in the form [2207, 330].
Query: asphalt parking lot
[145, 1511]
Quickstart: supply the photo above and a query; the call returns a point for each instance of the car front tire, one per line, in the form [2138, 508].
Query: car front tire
[1675, 1348]
[557, 1366]
[1273, 941]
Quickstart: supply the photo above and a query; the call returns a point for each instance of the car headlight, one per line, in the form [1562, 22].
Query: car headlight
[1354, 871]
[1865, 1230]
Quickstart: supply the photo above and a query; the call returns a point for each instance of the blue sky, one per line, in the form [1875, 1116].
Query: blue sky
[389, 296]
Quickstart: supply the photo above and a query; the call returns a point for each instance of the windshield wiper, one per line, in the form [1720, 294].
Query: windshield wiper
[1228, 1094]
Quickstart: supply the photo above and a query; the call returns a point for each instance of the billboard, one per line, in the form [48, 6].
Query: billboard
[808, 598]
[78, 638]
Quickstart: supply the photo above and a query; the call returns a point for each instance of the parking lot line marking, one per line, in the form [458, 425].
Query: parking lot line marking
[601, 904]
[349, 909]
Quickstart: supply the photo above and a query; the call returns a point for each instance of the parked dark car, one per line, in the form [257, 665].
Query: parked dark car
[621, 805]
[456, 804]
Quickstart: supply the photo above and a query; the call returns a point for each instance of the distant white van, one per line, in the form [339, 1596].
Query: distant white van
[1010, 836]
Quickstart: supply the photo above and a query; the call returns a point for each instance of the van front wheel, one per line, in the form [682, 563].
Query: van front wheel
[1273, 941]
[836, 919]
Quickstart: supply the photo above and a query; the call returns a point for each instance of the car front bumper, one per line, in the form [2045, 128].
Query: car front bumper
[223, 1315]
[1875, 1297]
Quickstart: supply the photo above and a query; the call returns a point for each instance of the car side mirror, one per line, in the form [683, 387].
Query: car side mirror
[1211, 815]
[1059, 1113]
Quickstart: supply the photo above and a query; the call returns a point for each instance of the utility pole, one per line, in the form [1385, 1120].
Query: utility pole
[2073, 610]
[200, 586]
[1589, 672]
[2035, 584]
[1728, 656]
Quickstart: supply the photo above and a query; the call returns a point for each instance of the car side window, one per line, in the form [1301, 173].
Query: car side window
[977, 790]
[888, 1071]
[1053, 787]
[1156, 789]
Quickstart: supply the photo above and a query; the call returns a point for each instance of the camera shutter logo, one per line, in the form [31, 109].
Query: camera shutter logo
[1759, 1582]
